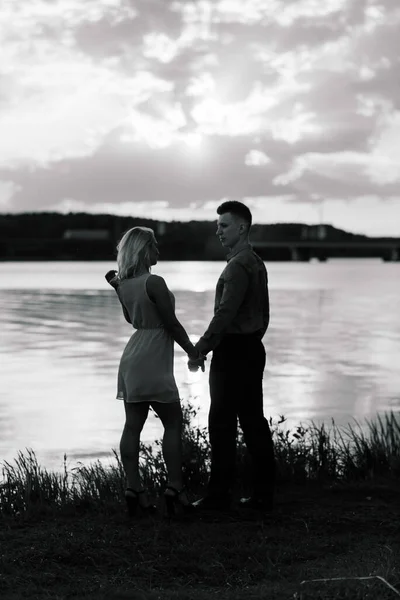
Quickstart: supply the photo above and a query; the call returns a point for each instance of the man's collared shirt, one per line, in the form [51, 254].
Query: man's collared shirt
[241, 299]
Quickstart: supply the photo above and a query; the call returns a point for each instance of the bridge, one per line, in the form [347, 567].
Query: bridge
[305, 250]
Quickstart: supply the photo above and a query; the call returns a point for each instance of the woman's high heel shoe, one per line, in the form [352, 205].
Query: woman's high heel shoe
[177, 502]
[132, 502]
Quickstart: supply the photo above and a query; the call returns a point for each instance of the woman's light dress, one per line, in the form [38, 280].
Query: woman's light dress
[146, 367]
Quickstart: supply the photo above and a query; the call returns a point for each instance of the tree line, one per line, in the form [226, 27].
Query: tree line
[56, 236]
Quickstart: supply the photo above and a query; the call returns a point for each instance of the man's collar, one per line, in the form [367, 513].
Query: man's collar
[233, 253]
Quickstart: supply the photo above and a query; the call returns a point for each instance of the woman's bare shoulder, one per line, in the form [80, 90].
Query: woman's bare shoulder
[156, 283]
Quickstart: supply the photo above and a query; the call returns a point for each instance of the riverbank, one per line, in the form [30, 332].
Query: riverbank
[337, 516]
[316, 532]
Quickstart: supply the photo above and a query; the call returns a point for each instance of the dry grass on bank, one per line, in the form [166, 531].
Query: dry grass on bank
[66, 535]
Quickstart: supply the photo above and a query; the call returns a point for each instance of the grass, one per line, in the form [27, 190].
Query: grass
[66, 535]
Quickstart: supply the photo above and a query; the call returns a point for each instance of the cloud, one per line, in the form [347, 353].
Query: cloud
[255, 158]
[8, 189]
[375, 170]
[123, 171]
[108, 102]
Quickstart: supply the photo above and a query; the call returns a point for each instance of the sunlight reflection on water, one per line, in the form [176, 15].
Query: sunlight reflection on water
[332, 349]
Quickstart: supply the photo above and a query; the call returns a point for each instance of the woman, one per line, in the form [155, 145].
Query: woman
[145, 375]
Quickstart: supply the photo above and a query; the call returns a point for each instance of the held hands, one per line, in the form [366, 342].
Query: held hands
[195, 363]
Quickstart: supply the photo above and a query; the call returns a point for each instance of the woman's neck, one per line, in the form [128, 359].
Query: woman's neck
[138, 273]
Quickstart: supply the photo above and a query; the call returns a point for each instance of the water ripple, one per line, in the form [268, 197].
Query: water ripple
[332, 351]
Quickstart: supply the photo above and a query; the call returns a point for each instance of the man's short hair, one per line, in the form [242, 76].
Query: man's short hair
[236, 208]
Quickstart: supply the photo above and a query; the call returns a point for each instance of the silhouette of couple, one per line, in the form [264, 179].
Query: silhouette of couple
[234, 336]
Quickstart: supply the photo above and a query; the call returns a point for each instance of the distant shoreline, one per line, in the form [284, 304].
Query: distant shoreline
[160, 260]
[87, 237]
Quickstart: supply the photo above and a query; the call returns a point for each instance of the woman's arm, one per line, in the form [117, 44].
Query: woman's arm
[159, 294]
[112, 279]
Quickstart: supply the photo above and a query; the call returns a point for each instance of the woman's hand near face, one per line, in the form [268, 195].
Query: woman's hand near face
[112, 278]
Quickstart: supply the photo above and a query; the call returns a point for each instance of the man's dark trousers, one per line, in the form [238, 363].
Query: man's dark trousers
[236, 374]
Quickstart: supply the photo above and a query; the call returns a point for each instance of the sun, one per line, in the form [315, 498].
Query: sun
[192, 140]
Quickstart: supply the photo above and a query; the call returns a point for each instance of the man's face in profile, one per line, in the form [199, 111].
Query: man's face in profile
[228, 229]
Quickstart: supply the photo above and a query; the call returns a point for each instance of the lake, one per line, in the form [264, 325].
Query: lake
[333, 349]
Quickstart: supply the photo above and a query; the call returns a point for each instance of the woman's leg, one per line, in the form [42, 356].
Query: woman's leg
[171, 418]
[136, 415]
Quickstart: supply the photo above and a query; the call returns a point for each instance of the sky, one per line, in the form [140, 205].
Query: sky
[166, 108]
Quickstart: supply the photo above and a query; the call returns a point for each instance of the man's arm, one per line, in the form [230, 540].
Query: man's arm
[236, 282]
[266, 310]
[266, 313]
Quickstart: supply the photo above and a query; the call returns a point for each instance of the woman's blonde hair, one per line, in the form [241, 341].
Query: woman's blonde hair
[134, 251]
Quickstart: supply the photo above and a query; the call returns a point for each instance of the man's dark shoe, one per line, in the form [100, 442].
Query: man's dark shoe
[213, 503]
[254, 503]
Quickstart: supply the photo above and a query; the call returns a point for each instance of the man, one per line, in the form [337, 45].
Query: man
[241, 318]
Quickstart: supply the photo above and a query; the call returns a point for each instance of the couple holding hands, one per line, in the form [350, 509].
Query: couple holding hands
[234, 336]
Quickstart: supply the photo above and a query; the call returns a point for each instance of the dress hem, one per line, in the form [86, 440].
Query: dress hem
[164, 398]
